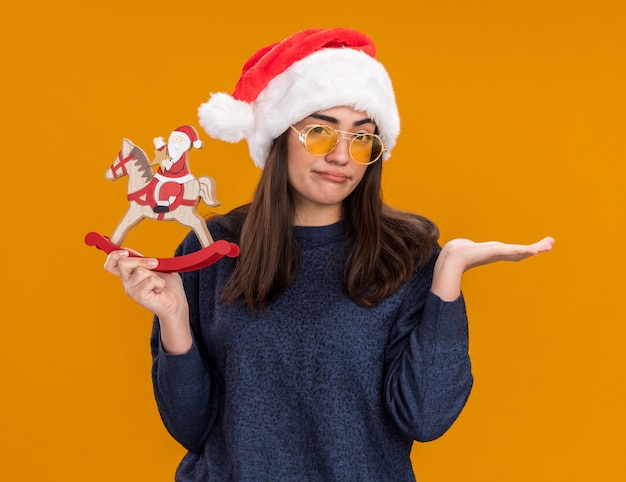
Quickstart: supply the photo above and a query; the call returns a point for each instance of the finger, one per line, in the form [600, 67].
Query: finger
[521, 251]
[548, 240]
[544, 245]
[134, 253]
[112, 262]
[144, 284]
[128, 264]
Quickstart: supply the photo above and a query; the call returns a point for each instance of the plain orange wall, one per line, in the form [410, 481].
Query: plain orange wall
[513, 122]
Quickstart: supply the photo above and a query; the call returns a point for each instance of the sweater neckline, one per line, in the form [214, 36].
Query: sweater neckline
[329, 231]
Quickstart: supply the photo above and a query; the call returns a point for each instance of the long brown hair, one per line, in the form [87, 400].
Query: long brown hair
[386, 245]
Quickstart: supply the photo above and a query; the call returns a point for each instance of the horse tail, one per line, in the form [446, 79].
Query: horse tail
[207, 191]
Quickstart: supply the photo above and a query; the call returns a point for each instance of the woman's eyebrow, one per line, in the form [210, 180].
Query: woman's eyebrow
[363, 121]
[334, 120]
[327, 118]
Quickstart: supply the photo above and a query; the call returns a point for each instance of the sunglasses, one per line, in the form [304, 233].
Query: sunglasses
[320, 140]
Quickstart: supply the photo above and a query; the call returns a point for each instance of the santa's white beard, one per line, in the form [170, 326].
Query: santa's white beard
[175, 151]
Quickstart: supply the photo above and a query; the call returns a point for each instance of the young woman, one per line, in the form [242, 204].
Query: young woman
[339, 334]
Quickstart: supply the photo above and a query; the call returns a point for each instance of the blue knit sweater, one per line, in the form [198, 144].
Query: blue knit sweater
[319, 389]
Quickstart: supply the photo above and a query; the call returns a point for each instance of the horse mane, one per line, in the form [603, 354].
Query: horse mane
[143, 166]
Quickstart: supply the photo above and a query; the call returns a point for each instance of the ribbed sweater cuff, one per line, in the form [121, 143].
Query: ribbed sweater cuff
[180, 369]
[451, 318]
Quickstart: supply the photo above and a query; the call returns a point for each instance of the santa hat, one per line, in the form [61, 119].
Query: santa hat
[190, 133]
[285, 82]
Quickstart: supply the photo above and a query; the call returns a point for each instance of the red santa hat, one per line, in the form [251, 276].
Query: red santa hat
[285, 82]
[190, 133]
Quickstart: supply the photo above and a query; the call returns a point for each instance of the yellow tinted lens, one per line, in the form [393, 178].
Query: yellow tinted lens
[365, 148]
[320, 140]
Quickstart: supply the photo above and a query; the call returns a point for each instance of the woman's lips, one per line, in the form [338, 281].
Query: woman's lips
[334, 176]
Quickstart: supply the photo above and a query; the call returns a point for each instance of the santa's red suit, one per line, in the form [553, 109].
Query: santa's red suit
[170, 180]
[166, 189]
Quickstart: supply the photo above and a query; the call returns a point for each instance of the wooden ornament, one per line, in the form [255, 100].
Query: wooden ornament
[171, 193]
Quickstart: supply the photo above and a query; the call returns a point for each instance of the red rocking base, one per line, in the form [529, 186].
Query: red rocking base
[179, 264]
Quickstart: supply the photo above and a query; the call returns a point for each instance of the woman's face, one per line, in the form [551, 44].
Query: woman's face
[321, 183]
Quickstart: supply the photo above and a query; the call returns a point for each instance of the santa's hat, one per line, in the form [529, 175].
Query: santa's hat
[190, 133]
[285, 82]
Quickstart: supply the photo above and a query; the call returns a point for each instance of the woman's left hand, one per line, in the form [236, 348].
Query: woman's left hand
[459, 255]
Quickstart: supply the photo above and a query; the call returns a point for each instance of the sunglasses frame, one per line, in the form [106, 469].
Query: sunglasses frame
[302, 135]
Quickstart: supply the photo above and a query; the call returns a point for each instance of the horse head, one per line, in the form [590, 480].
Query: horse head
[130, 159]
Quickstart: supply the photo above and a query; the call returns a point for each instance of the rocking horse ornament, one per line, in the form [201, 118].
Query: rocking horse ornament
[171, 193]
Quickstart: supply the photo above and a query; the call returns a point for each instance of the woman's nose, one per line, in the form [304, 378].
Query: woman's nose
[341, 153]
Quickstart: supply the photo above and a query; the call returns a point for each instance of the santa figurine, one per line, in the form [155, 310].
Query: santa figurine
[173, 171]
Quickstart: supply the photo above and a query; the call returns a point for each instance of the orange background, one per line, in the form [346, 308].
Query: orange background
[513, 128]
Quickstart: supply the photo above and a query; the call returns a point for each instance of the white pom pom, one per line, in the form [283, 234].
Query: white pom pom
[197, 144]
[225, 118]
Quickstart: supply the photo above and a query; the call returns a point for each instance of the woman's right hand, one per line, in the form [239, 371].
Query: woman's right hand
[161, 293]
